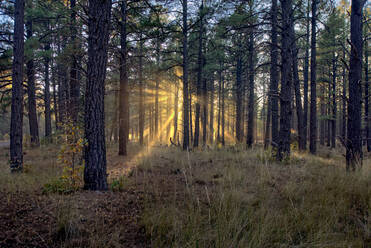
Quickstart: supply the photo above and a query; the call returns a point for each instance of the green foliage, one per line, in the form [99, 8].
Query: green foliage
[118, 184]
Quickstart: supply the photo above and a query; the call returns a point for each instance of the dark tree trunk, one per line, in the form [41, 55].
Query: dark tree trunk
[204, 107]
[114, 126]
[141, 94]
[199, 82]
[344, 101]
[48, 120]
[274, 75]
[223, 110]
[16, 132]
[250, 118]
[334, 107]
[157, 86]
[124, 91]
[74, 80]
[190, 117]
[298, 105]
[285, 96]
[313, 84]
[185, 80]
[367, 95]
[211, 123]
[95, 175]
[219, 103]
[32, 114]
[239, 95]
[306, 79]
[176, 101]
[322, 130]
[354, 154]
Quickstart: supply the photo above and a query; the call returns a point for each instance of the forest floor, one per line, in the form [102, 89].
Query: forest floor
[163, 197]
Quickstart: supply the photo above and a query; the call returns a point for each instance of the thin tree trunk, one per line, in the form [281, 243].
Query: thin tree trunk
[344, 101]
[176, 101]
[334, 107]
[95, 175]
[48, 122]
[367, 95]
[124, 91]
[141, 94]
[306, 79]
[239, 95]
[211, 123]
[74, 81]
[250, 118]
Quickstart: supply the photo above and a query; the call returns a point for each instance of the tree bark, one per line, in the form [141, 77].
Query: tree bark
[124, 91]
[48, 121]
[334, 106]
[250, 118]
[285, 96]
[239, 95]
[185, 80]
[313, 84]
[354, 153]
[306, 79]
[74, 81]
[16, 132]
[95, 175]
[274, 75]
[141, 93]
[32, 113]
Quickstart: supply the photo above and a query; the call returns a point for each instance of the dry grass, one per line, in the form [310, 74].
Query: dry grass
[225, 197]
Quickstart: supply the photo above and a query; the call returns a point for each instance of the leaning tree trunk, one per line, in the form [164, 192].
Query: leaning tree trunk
[185, 80]
[124, 92]
[313, 84]
[16, 123]
[285, 96]
[95, 175]
[354, 140]
[30, 68]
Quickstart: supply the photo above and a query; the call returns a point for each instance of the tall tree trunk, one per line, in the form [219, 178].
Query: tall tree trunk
[48, 121]
[274, 74]
[313, 84]
[250, 118]
[367, 95]
[354, 154]
[223, 110]
[334, 107]
[16, 132]
[185, 79]
[306, 79]
[239, 95]
[299, 108]
[32, 115]
[141, 94]
[322, 130]
[344, 101]
[124, 91]
[219, 103]
[204, 107]
[157, 85]
[95, 175]
[199, 81]
[190, 116]
[176, 101]
[211, 123]
[74, 80]
[285, 96]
